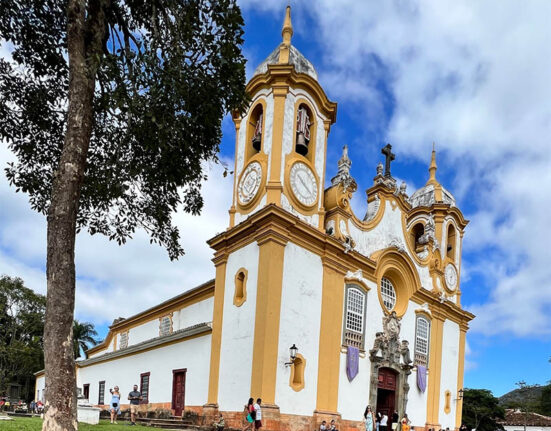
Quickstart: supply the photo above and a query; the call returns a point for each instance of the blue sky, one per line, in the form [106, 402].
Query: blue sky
[473, 78]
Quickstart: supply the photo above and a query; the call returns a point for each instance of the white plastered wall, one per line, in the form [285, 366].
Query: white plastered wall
[192, 354]
[448, 378]
[193, 314]
[236, 350]
[354, 395]
[143, 332]
[300, 325]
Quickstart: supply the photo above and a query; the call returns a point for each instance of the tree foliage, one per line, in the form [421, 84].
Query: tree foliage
[22, 324]
[84, 335]
[163, 77]
[481, 410]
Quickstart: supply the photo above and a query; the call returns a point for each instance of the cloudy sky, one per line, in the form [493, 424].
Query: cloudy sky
[473, 77]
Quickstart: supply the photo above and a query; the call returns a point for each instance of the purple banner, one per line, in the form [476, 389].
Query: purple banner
[422, 377]
[352, 362]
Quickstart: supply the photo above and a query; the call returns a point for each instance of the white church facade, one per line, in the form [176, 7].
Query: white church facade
[371, 305]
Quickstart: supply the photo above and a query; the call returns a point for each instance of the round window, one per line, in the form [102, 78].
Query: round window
[388, 293]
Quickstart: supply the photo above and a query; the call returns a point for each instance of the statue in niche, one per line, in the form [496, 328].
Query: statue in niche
[257, 135]
[391, 325]
[404, 350]
[303, 131]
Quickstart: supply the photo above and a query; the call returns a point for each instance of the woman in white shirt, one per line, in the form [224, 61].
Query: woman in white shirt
[384, 421]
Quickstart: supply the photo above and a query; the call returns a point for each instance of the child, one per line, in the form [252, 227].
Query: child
[220, 424]
[323, 426]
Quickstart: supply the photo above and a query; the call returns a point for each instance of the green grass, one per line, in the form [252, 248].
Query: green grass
[35, 424]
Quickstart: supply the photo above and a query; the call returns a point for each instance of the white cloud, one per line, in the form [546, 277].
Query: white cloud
[115, 281]
[474, 77]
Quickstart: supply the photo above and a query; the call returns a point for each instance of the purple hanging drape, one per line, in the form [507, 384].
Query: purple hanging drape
[352, 362]
[422, 377]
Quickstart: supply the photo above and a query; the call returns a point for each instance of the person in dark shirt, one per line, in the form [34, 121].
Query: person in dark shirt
[135, 397]
[394, 421]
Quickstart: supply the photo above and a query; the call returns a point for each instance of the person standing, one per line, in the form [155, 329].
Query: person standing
[405, 423]
[135, 397]
[248, 413]
[395, 419]
[115, 405]
[369, 419]
[384, 421]
[258, 414]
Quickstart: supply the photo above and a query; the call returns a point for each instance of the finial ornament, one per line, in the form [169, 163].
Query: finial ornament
[433, 167]
[287, 33]
[343, 174]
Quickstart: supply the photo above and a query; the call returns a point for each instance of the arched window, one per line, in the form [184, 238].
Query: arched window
[388, 293]
[354, 318]
[450, 244]
[255, 131]
[416, 233]
[422, 339]
[305, 121]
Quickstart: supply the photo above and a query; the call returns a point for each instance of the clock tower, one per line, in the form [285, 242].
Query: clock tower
[281, 138]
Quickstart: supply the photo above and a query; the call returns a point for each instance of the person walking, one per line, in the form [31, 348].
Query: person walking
[257, 414]
[115, 405]
[135, 397]
[369, 419]
[248, 413]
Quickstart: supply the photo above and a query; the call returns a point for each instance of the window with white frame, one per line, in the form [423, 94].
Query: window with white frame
[165, 326]
[422, 338]
[354, 319]
[388, 293]
[123, 340]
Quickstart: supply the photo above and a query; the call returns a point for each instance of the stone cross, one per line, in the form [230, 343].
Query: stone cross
[389, 158]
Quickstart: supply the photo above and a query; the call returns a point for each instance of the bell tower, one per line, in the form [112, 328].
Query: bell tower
[281, 139]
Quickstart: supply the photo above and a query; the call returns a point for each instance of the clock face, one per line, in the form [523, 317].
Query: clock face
[250, 183]
[304, 184]
[451, 276]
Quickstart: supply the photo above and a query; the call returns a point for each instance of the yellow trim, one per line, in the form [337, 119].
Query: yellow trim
[177, 303]
[274, 186]
[220, 262]
[401, 271]
[249, 151]
[239, 298]
[286, 74]
[268, 305]
[287, 226]
[139, 352]
[435, 367]
[296, 378]
[460, 374]
[330, 338]
[326, 128]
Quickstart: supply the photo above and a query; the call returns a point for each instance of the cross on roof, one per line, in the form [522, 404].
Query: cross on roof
[387, 151]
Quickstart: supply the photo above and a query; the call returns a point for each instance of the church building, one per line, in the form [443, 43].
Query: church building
[314, 309]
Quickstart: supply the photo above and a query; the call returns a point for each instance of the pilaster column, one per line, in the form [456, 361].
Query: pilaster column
[220, 261]
[274, 186]
[271, 244]
[330, 338]
[460, 371]
[435, 369]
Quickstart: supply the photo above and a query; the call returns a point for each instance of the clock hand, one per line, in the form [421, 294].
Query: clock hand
[304, 184]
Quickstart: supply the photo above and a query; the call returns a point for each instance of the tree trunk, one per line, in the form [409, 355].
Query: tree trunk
[84, 34]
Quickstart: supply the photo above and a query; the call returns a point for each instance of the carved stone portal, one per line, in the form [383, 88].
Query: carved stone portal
[389, 352]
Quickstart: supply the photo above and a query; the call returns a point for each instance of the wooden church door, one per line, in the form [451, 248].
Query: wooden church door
[178, 391]
[386, 393]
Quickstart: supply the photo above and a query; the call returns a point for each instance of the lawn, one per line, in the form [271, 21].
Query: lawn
[35, 424]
